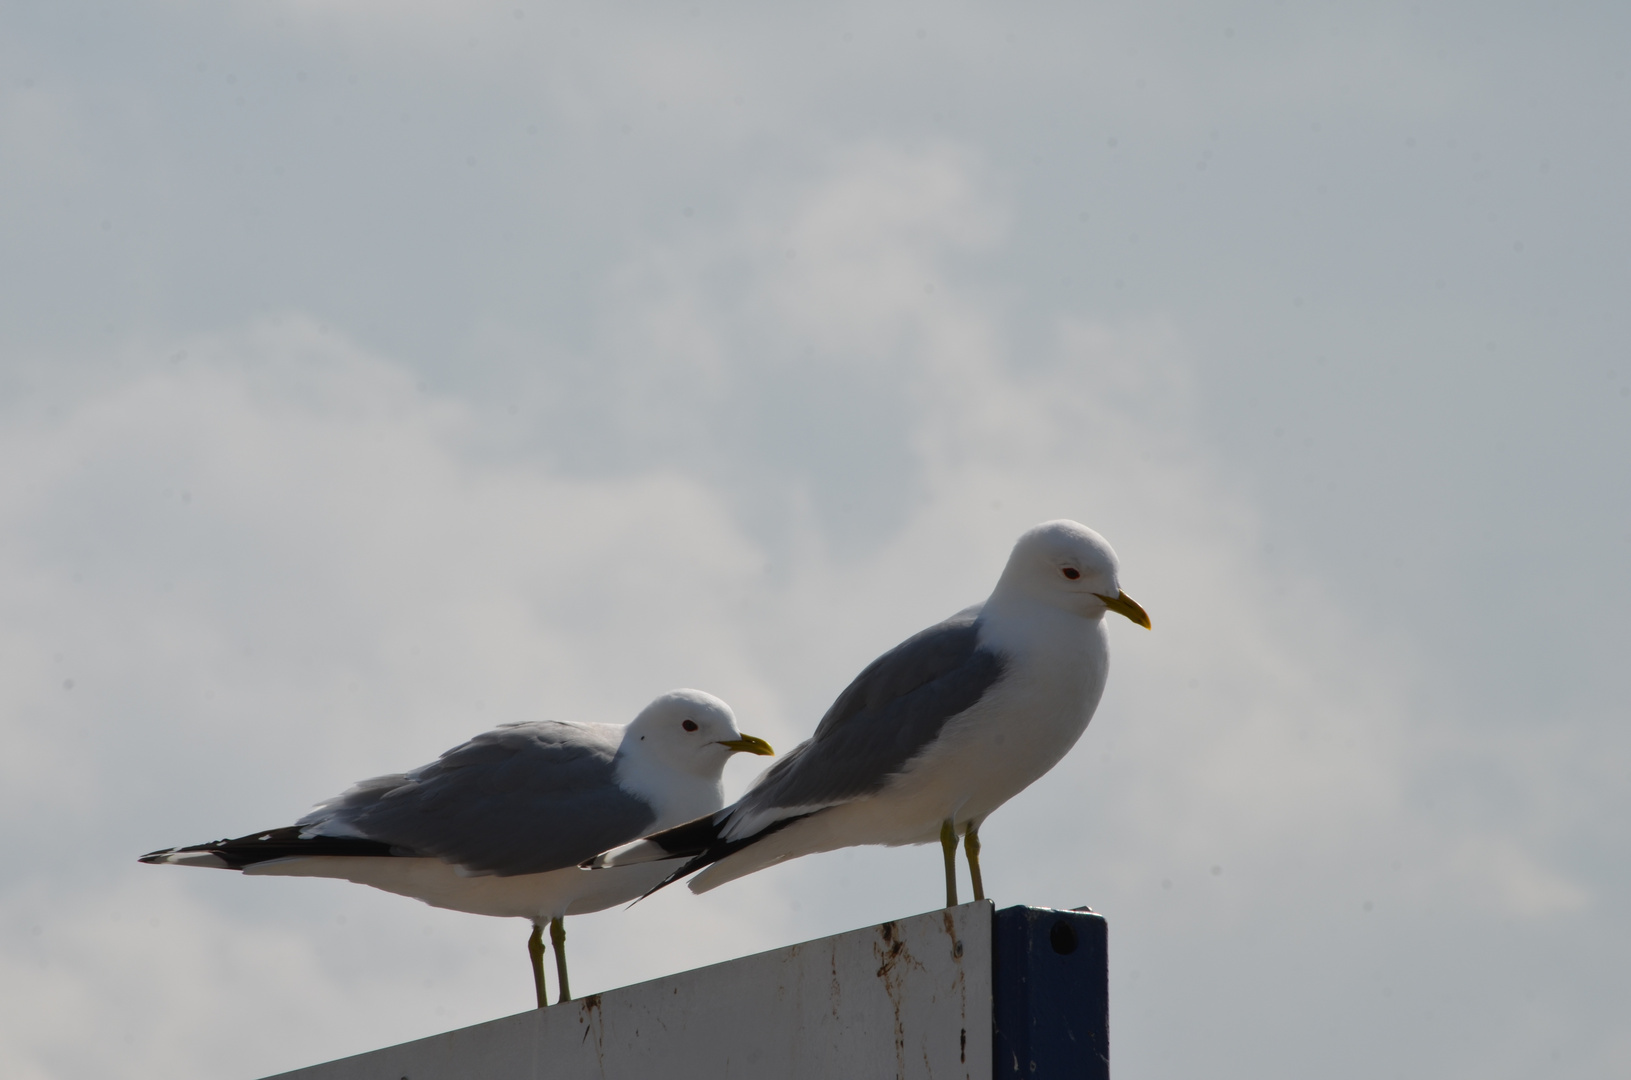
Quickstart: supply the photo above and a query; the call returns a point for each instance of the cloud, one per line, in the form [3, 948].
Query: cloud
[240, 570]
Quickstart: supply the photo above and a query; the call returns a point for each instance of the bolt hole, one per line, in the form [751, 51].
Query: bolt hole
[1062, 938]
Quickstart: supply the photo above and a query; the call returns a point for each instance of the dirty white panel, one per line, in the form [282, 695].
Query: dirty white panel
[908, 999]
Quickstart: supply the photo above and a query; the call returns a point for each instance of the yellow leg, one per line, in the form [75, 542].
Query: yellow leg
[948, 847]
[557, 937]
[535, 949]
[971, 848]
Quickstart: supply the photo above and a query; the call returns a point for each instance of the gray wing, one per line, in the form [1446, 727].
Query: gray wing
[520, 799]
[893, 710]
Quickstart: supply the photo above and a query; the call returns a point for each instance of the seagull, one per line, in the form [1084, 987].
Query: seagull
[934, 734]
[498, 825]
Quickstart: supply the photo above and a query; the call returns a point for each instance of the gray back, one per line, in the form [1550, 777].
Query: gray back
[521, 799]
[885, 717]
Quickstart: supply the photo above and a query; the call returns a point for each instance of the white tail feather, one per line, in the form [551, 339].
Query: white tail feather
[196, 858]
[641, 851]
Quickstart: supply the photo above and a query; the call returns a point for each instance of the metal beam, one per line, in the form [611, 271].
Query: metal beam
[948, 994]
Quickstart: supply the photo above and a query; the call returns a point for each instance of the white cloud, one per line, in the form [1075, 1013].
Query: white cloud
[275, 564]
[1514, 880]
[799, 425]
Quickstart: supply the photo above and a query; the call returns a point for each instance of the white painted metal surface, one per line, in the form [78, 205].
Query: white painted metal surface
[907, 999]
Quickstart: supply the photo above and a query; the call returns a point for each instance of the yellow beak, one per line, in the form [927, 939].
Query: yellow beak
[748, 744]
[1122, 604]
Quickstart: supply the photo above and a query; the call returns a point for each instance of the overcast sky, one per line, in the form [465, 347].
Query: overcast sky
[374, 372]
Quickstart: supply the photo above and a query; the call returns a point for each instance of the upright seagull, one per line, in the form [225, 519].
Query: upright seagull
[498, 825]
[936, 733]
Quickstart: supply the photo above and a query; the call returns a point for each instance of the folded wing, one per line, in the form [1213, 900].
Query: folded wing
[521, 799]
[889, 714]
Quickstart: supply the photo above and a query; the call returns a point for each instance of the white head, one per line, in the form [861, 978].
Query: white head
[690, 732]
[1066, 565]
[674, 753]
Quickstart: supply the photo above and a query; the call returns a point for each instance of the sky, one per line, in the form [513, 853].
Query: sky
[375, 373]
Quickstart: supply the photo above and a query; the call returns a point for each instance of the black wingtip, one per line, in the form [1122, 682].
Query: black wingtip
[691, 841]
[720, 849]
[163, 855]
[269, 844]
[665, 882]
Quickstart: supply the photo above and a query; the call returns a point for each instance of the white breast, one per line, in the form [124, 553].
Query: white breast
[1019, 730]
[557, 893]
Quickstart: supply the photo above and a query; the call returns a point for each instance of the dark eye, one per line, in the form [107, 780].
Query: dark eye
[1071, 572]
[689, 725]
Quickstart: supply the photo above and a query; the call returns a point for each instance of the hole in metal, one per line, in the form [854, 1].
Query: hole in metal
[1062, 938]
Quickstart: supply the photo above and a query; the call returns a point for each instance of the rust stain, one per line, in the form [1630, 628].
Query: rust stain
[893, 960]
[889, 954]
[594, 1020]
[959, 985]
[837, 984]
[794, 952]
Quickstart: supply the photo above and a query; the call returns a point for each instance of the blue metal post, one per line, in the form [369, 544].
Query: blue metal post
[1051, 986]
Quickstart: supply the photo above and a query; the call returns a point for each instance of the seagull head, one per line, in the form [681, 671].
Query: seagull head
[1065, 564]
[690, 732]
